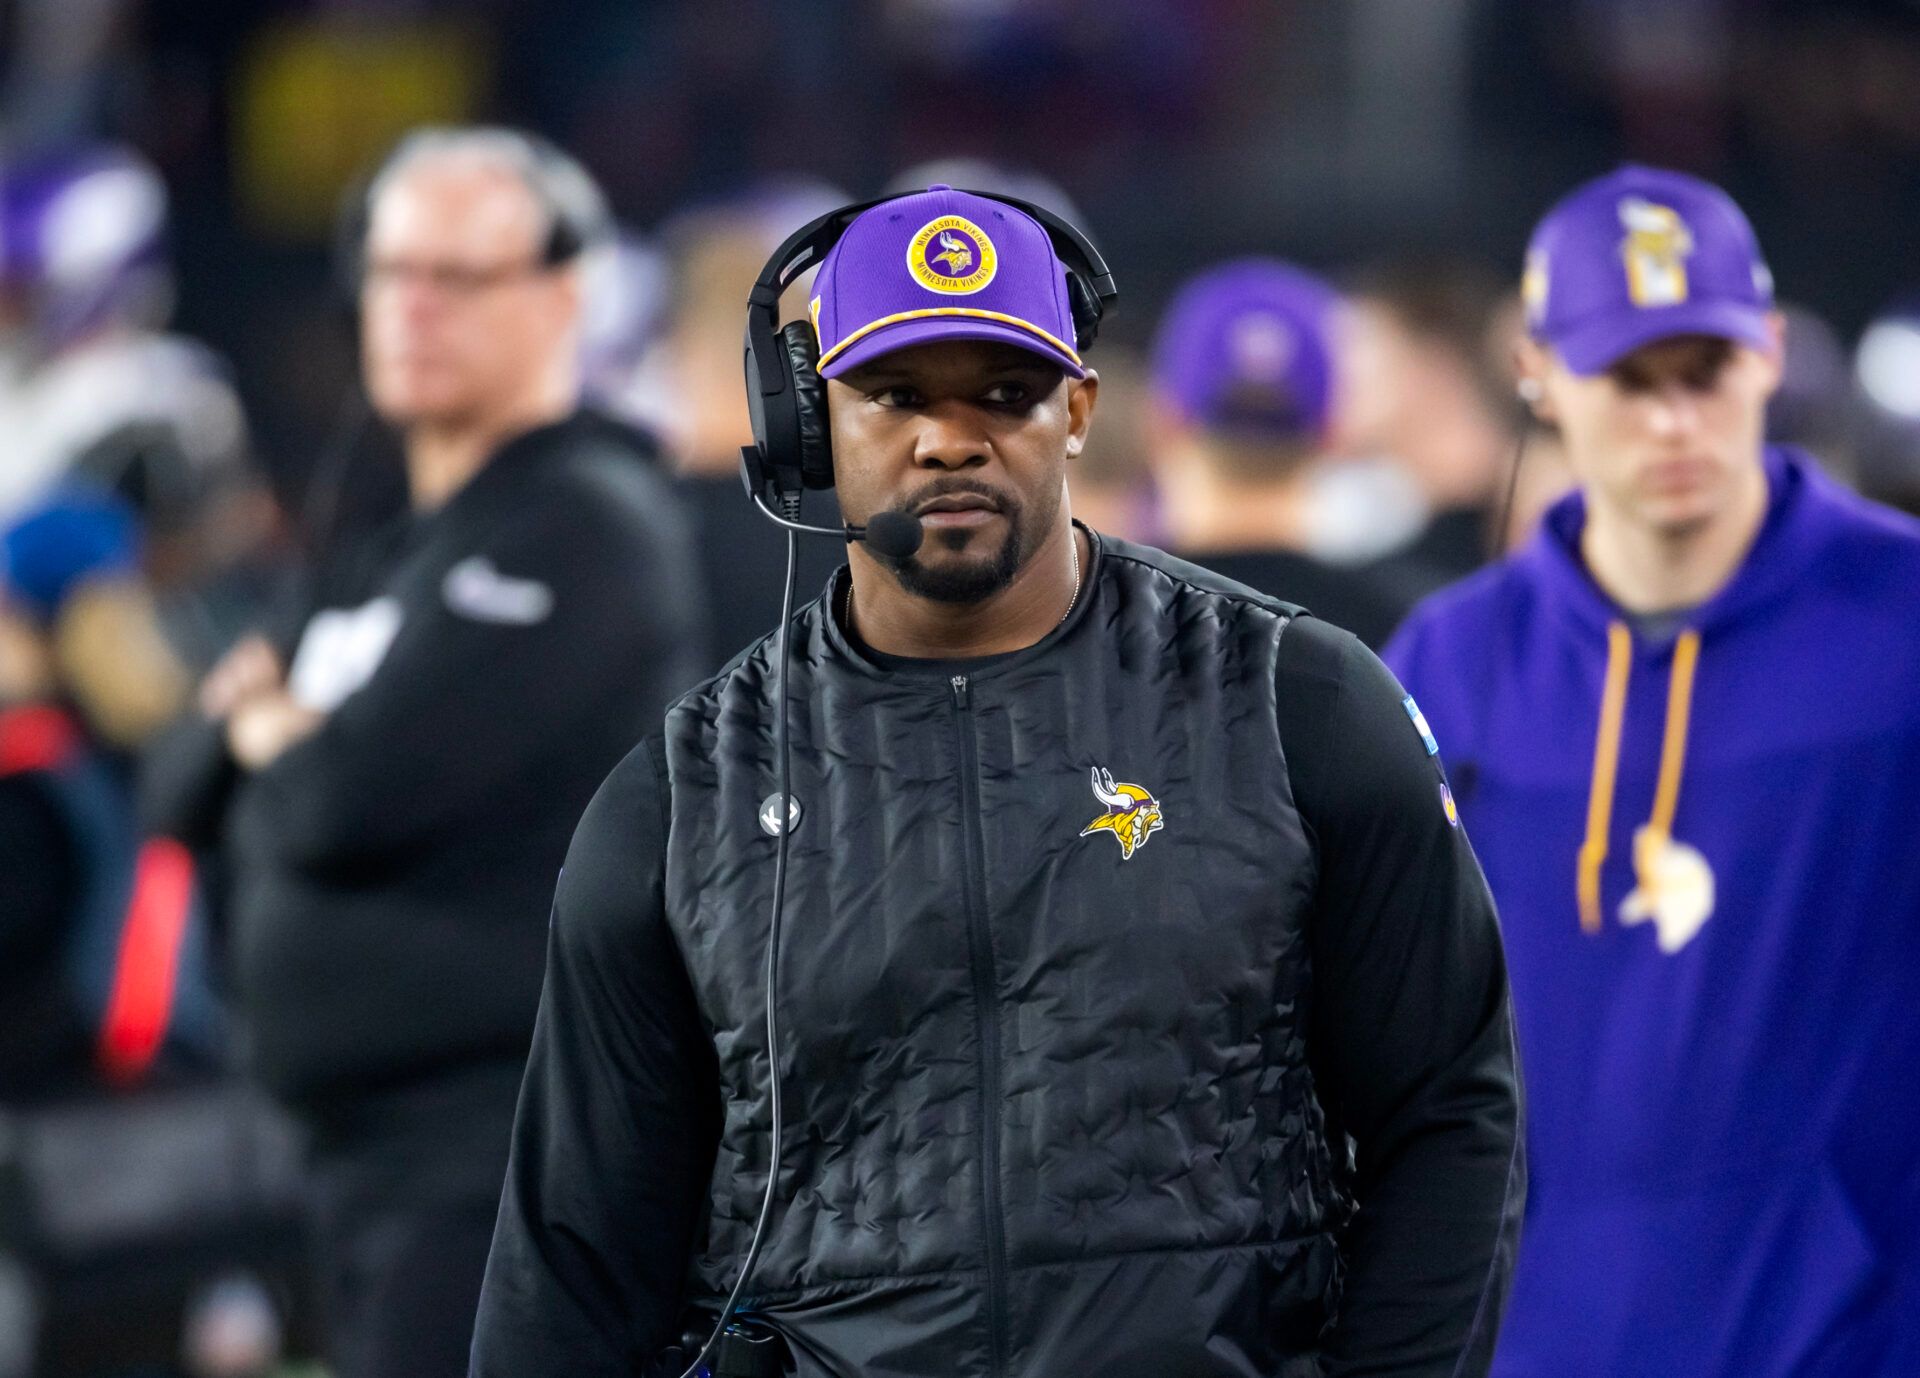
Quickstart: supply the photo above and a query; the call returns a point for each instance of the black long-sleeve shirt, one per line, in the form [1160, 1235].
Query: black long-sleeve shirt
[482, 666]
[1410, 1043]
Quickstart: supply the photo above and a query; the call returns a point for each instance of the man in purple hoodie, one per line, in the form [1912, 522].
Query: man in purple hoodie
[1685, 727]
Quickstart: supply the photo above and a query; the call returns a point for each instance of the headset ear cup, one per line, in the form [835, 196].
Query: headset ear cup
[1084, 302]
[809, 404]
[350, 222]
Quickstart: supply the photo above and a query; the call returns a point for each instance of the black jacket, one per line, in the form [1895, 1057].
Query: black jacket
[1065, 1089]
[391, 875]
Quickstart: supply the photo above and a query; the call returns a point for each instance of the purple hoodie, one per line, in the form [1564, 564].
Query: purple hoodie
[1720, 1021]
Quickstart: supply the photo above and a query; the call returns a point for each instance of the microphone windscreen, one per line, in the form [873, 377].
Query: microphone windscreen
[895, 535]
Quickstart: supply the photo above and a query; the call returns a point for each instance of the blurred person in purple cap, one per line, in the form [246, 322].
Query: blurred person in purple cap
[1244, 387]
[392, 776]
[91, 385]
[1143, 1009]
[84, 287]
[1687, 741]
[94, 388]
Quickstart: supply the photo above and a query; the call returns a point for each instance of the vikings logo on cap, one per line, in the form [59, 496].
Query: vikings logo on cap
[1262, 345]
[1132, 816]
[1655, 252]
[1533, 287]
[952, 255]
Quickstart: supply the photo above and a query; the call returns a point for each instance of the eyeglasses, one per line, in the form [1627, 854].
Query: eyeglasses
[449, 279]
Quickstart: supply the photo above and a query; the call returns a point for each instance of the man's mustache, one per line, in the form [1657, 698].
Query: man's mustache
[998, 499]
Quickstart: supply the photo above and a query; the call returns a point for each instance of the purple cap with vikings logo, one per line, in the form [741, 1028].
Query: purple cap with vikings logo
[941, 265]
[1642, 255]
[1247, 347]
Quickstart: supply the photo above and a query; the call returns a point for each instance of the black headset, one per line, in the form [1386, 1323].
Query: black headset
[792, 447]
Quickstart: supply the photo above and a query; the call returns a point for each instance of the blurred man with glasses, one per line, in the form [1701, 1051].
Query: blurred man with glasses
[395, 779]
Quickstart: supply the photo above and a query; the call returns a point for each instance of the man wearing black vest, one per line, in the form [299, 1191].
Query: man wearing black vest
[1142, 1007]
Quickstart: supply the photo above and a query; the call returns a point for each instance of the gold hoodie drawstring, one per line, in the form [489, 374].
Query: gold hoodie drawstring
[1673, 755]
[1606, 766]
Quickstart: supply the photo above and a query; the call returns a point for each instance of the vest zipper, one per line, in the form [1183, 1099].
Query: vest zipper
[986, 996]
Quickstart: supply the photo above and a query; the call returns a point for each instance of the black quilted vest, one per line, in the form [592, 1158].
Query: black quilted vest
[1048, 1102]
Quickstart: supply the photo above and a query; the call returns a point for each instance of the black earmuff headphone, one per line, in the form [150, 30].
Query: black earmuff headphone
[792, 447]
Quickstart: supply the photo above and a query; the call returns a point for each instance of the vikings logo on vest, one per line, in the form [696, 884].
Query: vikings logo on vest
[1132, 816]
[952, 255]
[1655, 252]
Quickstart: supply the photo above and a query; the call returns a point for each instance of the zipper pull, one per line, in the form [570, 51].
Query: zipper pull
[959, 683]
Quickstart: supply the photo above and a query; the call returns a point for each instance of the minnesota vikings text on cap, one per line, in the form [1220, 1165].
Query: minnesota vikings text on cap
[952, 255]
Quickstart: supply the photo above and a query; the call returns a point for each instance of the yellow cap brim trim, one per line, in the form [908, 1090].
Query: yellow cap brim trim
[970, 312]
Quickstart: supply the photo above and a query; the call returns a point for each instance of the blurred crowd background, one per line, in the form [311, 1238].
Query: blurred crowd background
[189, 352]
[1342, 136]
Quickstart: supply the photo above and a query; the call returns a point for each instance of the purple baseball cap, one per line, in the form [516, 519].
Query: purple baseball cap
[941, 265]
[1642, 255]
[82, 235]
[1247, 347]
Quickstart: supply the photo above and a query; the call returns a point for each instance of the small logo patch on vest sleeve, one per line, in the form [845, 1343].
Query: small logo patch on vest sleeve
[1420, 724]
[1448, 806]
